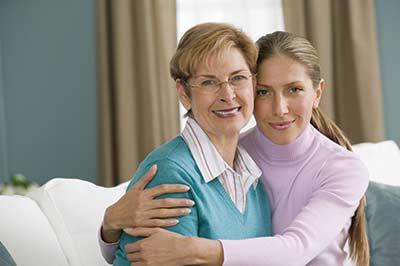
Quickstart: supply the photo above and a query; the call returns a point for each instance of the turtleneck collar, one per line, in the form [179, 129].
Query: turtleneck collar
[287, 152]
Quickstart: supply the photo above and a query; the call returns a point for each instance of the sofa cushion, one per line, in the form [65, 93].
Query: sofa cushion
[383, 223]
[75, 209]
[382, 160]
[5, 257]
[26, 233]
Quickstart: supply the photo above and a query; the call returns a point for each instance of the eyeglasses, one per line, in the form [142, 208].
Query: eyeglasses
[212, 85]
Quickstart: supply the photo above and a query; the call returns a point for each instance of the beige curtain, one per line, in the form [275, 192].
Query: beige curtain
[344, 32]
[138, 107]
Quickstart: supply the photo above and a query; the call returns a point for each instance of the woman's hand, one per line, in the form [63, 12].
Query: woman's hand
[138, 207]
[163, 247]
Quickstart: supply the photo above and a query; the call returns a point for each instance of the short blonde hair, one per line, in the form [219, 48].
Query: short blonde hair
[209, 39]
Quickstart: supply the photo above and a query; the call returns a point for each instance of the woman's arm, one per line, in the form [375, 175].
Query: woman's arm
[313, 230]
[162, 247]
[338, 188]
[325, 216]
[169, 172]
[138, 207]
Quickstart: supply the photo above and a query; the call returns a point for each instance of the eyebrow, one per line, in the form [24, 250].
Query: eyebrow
[230, 74]
[288, 84]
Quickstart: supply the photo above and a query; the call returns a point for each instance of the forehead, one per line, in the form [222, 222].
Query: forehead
[280, 70]
[222, 63]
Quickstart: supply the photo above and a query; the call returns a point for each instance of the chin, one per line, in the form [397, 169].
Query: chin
[230, 130]
[279, 138]
[233, 123]
[285, 142]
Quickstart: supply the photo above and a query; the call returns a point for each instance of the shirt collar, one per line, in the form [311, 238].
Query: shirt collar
[210, 162]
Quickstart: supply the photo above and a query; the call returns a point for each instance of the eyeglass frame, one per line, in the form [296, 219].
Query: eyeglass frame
[219, 84]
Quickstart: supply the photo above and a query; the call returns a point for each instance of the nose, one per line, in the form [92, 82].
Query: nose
[226, 92]
[280, 106]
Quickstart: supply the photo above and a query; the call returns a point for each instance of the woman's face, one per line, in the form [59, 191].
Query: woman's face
[224, 111]
[284, 99]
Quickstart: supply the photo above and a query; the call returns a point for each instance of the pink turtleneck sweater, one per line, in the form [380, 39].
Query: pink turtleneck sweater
[314, 186]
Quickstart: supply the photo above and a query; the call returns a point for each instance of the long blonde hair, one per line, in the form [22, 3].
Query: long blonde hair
[302, 51]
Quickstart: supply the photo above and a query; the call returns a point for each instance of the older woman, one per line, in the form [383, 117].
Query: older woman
[213, 67]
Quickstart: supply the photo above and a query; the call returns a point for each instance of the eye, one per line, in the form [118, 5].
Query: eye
[295, 90]
[263, 92]
[209, 82]
[238, 78]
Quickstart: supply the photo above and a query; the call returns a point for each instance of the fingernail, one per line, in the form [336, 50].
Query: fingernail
[190, 202]
[187, 188]
[187, 211]
[176, 221]
[129, 231]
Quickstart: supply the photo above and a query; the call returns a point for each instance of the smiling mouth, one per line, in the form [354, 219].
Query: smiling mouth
[227, 112]
[282, 125]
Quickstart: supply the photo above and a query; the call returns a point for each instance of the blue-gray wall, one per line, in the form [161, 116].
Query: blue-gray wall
[48, 89]
[3, 137]
[388, 27]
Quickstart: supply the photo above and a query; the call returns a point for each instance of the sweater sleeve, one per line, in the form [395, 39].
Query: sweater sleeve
[107, 249]
[168, 173]
[338, 188]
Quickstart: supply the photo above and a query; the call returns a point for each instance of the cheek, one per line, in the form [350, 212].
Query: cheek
[201, 101]
[302, 108]
[245, 94]
[250, 99]
[246, 98]
[261, 109]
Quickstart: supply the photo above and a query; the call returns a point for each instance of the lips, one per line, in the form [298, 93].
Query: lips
[223, 113]
[281, 125]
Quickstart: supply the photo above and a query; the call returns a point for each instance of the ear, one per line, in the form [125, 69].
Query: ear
[183, 97]
[318, 93]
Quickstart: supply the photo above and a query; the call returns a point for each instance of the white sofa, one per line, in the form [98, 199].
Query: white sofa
[58, 223]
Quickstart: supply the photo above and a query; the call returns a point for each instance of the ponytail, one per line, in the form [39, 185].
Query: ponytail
[359, 247]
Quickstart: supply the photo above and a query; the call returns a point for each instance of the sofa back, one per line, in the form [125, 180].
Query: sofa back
[56, 224]
[27, 234]
[382, 160]
[75, 209]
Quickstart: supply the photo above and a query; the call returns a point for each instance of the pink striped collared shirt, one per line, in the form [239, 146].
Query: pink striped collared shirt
[236, 181]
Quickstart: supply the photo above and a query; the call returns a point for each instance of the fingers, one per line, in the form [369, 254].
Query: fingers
[148, 176]
[133, 257]
[171, 203]
[140, 263]
[139, 231]
[154, 217]
[132, 247]
[167, 189]
[167, 213]
[159, 223]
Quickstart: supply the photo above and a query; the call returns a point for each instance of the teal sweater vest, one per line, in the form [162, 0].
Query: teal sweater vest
[214, 215]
